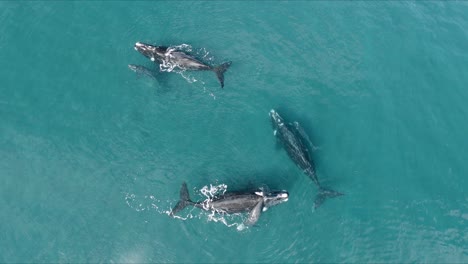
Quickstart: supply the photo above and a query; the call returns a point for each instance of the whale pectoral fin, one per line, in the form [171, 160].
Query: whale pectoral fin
[254, 215]
[299, 130]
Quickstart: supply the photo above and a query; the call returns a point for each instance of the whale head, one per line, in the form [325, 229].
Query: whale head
[276, 120]
[154, 53]
[275, 197]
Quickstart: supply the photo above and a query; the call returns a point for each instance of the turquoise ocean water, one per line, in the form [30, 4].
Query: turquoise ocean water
[92, 156]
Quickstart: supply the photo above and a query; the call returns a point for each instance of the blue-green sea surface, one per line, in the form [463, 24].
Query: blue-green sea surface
[92, 155]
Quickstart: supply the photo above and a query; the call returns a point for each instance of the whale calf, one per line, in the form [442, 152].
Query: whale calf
[172, 56]
[252, 202]
[142, 71]
[292, 138]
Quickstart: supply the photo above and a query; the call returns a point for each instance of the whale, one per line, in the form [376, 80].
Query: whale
[172, 56]
[293, 139]
[253, 203]
[142, 71]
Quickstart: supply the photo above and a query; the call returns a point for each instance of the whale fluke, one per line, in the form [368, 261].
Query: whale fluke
[323, 194]
[219, 70]
[184, 200]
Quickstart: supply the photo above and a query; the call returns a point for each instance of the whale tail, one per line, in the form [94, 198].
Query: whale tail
[323, 194]
[183, 202]
[220, 70]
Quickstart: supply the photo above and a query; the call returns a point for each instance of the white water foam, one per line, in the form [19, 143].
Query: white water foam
[144, 203]
[215, 215]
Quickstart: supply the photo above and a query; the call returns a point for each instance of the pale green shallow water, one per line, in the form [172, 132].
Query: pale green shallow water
[91, 155]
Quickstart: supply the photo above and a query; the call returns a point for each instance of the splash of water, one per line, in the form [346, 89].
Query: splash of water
[210, 193]
[144, 203]
[183, 47]
[215, 215]
[214, 190]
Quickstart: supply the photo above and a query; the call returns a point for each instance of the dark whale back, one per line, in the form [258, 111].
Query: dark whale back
[236, 203]
[293, 140]
[296, 149]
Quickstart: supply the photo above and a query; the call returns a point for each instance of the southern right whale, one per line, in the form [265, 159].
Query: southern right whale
[231, 203]
[292, 139]
[180, 59]
[142, 71]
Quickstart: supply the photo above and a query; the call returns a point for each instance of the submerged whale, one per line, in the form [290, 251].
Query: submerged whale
[180, 59]
[231, 203]
[142, 71]
[292, 138]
